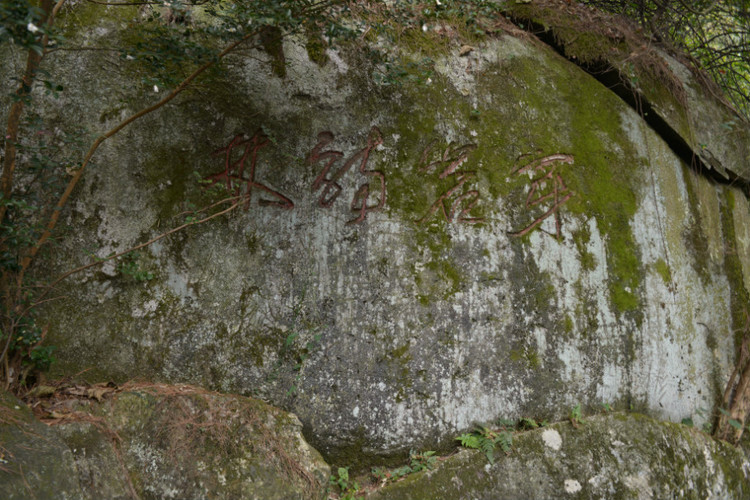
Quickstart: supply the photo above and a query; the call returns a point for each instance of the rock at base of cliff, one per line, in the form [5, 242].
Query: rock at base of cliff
[159, 441]
[623, 456]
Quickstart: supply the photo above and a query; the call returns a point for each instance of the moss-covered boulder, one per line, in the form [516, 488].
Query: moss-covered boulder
[155, 442]
[675, 97]
[620, 456]
[183, 442]
[436, 229]
[34, 461]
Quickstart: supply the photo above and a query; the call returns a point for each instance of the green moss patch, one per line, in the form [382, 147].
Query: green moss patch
[693, 236]
[603, 182]
[658, 459]
[664, 271]
[739, 296]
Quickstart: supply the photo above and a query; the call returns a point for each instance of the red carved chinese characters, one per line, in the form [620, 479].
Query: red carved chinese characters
[233, 174]
[332, 189]
[329, 183]
[448, 163]
[548, 186]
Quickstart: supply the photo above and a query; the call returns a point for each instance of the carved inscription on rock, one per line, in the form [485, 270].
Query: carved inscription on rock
[240, 181]
[444, 165]
[456, 203]
[234, 171]
[328, 182]
[547, 186]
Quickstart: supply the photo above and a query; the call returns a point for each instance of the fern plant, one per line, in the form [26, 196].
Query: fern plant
[576, 416]
[418, 462]
[347, 487]
[422, 461]
[485, 439]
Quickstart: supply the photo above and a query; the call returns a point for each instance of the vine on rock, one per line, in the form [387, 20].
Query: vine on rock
[27, 222]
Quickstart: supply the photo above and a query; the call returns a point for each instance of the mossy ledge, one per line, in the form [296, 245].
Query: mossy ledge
[635, 457]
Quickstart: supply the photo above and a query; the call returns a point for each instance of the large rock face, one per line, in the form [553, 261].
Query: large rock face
[501, 237]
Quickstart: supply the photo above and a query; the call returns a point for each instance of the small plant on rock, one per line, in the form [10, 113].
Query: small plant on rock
[346, 486]
[486, 439]
[526, 423]
[417, 463]
[422, 461]
[576, 418]
[131, 265]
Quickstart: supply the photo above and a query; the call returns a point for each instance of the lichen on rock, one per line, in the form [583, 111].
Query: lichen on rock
[430, 240]
[617, 456]
[159, 441]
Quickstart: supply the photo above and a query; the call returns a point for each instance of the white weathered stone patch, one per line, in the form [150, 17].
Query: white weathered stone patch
[572, 486]
[678, 315]
[639, 483]
[741, 216]
[552, 439]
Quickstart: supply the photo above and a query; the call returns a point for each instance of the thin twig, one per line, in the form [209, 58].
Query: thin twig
[235, 204]
[26, 261]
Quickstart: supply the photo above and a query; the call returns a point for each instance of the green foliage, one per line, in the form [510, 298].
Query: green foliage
[527, 423]
[41, 357]
[716, 34]
[347, 488]
[472, 440]
[417, 463]
[46, 153]
[736, 424]
[422, 461]
[21, 23]
[522, 424]
[130, 265]
[25, 347]
[576, 417]
[485, 439]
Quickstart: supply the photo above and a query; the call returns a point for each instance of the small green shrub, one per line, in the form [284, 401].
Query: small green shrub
[422, 461]
[576, 417]
[130, 265]
[417, 463]
[346, 486]
[486, 439]
[527, 423]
